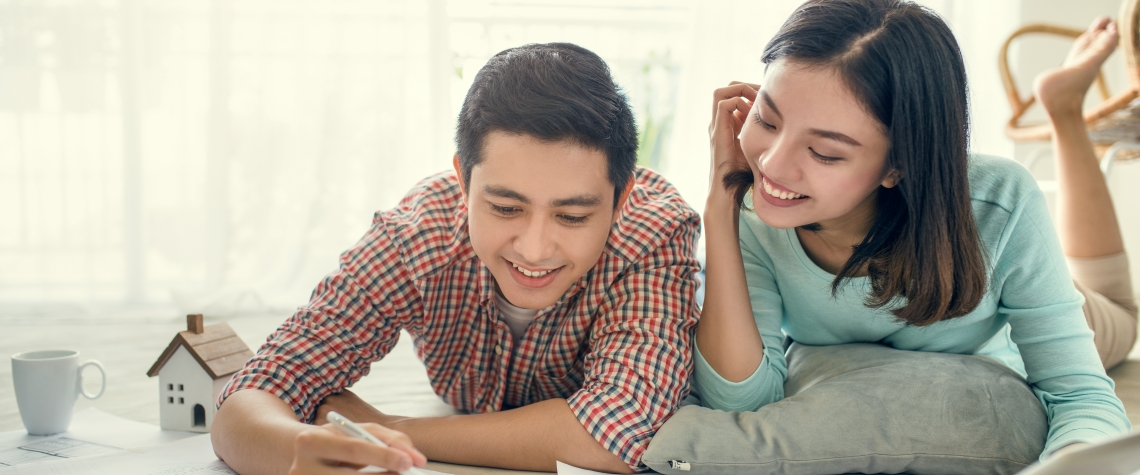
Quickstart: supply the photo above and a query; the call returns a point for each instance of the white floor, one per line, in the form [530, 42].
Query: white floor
[397, 384]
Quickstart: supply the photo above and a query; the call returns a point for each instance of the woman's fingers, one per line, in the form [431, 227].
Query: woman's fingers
[726, 152]
[736, 89]
[734, 111]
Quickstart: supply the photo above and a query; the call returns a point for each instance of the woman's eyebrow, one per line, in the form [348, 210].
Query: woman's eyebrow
[768, 100]
[828, 134]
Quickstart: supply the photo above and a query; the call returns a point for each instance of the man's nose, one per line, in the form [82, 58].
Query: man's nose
[536, 243]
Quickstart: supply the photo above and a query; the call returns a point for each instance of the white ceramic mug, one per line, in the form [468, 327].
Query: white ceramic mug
[48, 382]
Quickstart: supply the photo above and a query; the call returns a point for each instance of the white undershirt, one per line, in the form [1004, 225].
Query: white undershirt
[517, 319]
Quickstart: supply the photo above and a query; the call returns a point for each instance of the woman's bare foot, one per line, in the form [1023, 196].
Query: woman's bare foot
[1062, 90]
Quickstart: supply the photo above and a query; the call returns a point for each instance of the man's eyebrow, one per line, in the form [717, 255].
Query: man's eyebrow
[772, 105]
[828, 134]
[584, 201]
[504, 192]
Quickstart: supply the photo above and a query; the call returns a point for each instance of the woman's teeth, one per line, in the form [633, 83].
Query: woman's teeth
[781, 194]
[532, 274]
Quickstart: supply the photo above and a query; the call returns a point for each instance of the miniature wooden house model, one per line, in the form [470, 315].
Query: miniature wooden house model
[192, 372]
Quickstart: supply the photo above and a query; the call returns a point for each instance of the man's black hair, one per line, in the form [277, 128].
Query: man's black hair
[553, 92]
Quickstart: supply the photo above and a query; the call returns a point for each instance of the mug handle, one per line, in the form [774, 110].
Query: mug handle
[102, 387]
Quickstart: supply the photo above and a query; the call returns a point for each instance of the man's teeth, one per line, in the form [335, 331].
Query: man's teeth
[781, 194]
[532, 274]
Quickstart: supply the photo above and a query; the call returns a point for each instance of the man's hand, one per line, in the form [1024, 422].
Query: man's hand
[349, 405]
[325, 449]
[256, 432]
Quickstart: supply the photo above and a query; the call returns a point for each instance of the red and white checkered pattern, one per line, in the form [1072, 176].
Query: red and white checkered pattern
[617, 345]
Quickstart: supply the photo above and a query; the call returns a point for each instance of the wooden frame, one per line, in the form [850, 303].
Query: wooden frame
[1127, 26]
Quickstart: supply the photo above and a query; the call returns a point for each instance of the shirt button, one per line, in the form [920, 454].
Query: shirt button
[498, 349]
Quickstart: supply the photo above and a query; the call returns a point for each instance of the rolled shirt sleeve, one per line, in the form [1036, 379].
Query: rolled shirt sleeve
[639, 360]
[331, 342]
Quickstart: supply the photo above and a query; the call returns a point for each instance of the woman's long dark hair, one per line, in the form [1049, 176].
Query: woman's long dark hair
[903, 63]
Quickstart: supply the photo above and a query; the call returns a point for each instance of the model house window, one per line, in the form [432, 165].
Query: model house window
[170, 400]
[179, 387]
[181, 401]
[170, 387]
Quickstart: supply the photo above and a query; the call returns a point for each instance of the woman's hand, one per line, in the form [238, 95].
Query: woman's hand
[731, 105]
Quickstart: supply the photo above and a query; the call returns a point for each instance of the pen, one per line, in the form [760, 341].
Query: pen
[353, 430]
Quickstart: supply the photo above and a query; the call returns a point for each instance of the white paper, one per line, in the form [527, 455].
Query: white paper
[52, 449]
[97, 426]
[567, 469]
[191, 456]
[98, 453]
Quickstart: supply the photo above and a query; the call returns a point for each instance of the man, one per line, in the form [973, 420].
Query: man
[548, 284]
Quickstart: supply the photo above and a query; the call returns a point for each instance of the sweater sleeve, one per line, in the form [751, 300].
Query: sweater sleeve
[766, 384]
[1048, 326]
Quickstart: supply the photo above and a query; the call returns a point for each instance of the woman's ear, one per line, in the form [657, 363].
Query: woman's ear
[892, 178]
[459, 173]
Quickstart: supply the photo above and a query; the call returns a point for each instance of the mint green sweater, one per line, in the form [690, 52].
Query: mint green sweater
[1031, 319]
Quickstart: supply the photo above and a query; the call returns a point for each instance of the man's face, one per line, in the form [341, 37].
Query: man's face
[539, 214]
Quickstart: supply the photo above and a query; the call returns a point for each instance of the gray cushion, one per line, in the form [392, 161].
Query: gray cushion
[865, 408]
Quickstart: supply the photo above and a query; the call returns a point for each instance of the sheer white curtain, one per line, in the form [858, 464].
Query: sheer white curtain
[169, 156]
[216, 156]
[207, 154]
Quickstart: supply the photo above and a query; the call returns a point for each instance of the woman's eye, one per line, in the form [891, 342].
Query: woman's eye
[505, 210]
[573, 219]
[761, 121]
[824, 158]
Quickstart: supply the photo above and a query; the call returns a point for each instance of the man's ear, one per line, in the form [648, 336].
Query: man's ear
[892, 178]
[459, 173]
[621, 199]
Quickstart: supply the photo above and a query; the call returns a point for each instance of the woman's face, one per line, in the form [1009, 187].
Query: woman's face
[817, 155]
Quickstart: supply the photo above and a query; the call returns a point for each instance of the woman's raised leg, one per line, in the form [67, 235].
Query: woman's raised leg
[1086, 220]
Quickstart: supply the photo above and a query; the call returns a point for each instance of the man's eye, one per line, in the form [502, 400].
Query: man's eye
[505, 210]
[570, 219]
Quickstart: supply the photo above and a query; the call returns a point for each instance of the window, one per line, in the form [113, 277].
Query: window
[229, 89]
[179, 387]
[170, 400]
[170, 387]
[181, 401]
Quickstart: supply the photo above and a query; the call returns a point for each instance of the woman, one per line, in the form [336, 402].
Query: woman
[864, 220]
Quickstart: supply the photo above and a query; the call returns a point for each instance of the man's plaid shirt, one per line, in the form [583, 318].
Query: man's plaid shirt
[617, 345]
